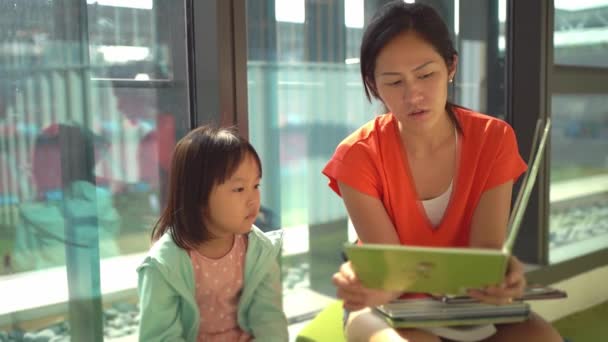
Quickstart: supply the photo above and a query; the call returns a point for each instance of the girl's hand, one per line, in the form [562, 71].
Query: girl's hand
[512, 287]
[354, 294]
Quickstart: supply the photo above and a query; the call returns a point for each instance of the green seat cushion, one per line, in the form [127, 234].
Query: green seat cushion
[326, 326]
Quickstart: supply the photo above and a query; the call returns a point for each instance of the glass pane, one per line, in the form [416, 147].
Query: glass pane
[579, 176]
[305, 96]
[93, 96]
[581, 33]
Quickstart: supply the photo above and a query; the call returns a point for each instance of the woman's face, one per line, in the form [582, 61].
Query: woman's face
[412, 80]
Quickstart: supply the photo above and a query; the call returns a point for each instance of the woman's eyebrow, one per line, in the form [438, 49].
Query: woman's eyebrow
[422, 65]
[395, 73]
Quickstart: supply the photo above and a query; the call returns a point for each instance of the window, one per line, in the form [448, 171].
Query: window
[92, 99]
[579, 175]
[581, 33]
[579, 148]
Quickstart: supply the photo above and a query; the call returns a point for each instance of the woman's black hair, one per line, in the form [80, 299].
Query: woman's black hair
[391, 20]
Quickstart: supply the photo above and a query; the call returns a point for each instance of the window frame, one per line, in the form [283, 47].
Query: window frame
[527, 57]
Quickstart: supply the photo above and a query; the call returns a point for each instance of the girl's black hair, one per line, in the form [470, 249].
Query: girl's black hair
[204, 158]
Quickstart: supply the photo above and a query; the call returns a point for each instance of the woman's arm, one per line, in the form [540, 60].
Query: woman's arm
[489, 230]
[369, 217]
[490, 219]
[373, 226]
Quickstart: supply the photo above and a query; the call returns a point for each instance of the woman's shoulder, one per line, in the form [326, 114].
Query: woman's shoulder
[477, 125]
[367, 135]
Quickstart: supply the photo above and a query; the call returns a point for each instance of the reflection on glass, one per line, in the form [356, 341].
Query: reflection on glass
[87, 126]
[305, 96]
[579, 176]
[581, 33]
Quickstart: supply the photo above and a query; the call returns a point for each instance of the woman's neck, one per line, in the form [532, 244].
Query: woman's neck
[420, 143]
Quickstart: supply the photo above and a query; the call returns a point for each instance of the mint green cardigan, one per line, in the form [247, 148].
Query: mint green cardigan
[169, 311]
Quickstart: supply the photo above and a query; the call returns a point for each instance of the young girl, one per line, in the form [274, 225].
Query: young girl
[210, 274]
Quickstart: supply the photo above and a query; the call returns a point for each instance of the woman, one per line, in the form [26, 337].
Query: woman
[428, 173]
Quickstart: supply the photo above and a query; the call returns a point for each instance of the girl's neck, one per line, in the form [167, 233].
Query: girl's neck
[422, 143]
[216, 248]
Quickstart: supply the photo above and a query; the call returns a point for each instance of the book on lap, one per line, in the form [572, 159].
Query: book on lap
[449, 271]
[430, 312]
[532, 292]
[455, 321]
[461, 318]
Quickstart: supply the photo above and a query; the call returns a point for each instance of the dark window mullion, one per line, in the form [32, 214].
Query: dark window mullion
[529, 59]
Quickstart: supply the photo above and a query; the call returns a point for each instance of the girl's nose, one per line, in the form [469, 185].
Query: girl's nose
[254, 198]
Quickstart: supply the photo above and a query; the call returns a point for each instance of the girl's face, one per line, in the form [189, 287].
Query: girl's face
[234, 205]
[412, 80]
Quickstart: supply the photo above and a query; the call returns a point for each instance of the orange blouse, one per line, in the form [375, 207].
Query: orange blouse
[371, 161]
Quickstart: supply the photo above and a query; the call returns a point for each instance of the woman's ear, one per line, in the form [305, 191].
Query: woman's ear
[452, 68]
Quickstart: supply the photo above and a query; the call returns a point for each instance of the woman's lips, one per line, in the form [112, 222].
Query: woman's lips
[418, 113]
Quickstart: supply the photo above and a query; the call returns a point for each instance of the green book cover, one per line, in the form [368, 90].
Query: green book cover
[430, 270]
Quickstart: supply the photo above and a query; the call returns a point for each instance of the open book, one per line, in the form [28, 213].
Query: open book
[441, 270]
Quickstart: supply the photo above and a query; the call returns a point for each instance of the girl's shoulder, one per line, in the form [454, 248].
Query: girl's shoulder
[165, 253]
[271, 239]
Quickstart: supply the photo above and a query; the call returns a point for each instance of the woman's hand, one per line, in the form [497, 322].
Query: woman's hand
[354, 294]
[511, 288]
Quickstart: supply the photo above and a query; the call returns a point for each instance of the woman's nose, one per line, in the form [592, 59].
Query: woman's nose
[412, 94]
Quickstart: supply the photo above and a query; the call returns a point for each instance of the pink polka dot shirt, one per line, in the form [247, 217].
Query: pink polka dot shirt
[218, 286]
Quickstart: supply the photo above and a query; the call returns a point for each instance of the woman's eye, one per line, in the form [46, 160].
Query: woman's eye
[426, 75]
[395, 83]
[257, 186]
[238, 189]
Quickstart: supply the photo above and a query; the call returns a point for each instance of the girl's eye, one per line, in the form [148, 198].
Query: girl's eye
[395, 83]
[238, 189]
[426, 75]
[257, 186]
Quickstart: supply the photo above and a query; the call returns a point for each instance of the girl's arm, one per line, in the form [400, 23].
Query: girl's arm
[159, 307]
[266, 317]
